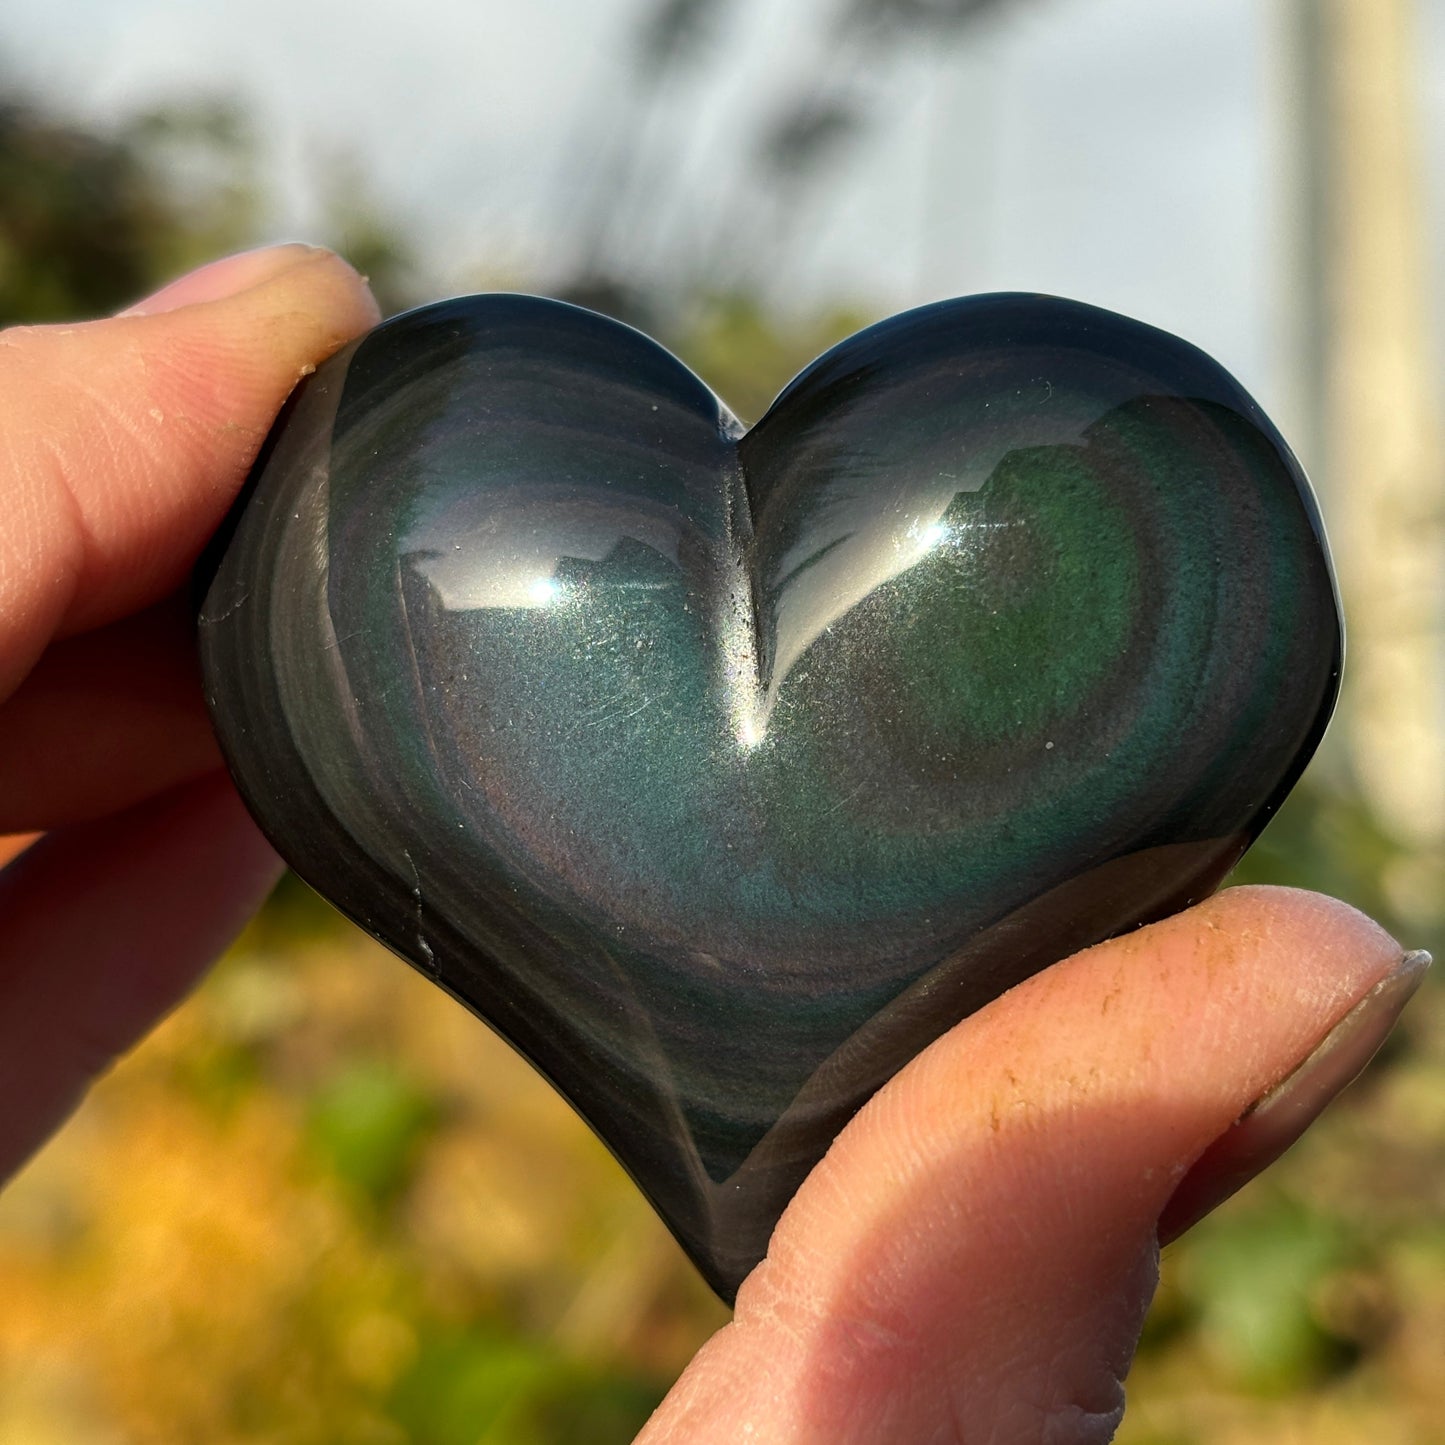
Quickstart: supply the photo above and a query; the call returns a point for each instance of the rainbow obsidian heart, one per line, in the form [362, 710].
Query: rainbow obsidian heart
[721, 771]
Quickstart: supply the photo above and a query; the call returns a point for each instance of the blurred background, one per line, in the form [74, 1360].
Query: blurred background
[323, 1203]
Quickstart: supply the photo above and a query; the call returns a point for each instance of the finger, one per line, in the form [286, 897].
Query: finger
[124, 441]
[12, 845]
[103, 928]
[105, 720]
[973, 1258]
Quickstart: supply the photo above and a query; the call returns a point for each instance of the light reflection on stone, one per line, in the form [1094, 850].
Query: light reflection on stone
[723, 772]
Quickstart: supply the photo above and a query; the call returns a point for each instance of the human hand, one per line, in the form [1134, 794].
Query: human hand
[122, 444]
[973, 1259]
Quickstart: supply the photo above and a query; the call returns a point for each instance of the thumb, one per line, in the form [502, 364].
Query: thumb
[126, 440]
[973, 1259]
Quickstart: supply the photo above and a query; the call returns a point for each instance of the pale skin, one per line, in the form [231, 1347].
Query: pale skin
[970, 1263]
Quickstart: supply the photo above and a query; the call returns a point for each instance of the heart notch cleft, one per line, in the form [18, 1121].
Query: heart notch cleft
[722, 771]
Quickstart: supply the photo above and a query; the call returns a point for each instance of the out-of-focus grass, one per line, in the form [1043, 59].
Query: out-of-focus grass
[1311, 1308]
[324, 1203]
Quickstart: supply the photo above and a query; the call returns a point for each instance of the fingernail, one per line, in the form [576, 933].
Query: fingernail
[1275, 1120]
[229, 276]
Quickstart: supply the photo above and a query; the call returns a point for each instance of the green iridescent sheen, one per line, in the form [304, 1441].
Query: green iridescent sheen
[723, 771]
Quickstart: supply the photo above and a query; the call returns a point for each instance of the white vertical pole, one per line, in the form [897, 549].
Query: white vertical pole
[1385, 475]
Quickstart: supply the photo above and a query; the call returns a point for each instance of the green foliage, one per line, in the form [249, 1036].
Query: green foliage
[220, 1076]
[310, 1303]
[92, 221]
[747, 355]
[201, 157]
[1322, 839]
[1253, 1283]
[84, 227]
[368, 1124]
[485, 1387]
[1326, 838]
[293, 912]
[356, 227]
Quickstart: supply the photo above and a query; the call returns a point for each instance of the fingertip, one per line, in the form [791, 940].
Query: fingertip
[273, 318]
[981, 1241]
[1312, 921]
[222, 278]
[339, 286]
[324, 285]
[130, 437]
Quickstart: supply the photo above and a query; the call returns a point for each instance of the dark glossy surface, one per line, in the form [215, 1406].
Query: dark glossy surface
[723, 772]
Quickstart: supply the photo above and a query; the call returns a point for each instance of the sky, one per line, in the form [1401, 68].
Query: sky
[1125, 152]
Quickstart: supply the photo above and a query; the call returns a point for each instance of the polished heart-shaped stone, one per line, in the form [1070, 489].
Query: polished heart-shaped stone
[723, 770]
